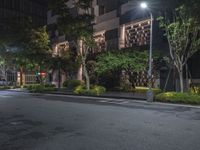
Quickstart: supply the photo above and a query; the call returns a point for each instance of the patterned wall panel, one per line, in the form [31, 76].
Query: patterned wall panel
[137, 34]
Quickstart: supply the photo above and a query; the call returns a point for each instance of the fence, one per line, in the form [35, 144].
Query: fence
[30, 78]
[13, 78]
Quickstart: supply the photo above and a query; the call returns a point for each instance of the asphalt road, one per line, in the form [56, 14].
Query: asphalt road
[38, 122]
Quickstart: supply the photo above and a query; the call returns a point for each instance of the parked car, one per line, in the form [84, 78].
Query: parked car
[3, 82]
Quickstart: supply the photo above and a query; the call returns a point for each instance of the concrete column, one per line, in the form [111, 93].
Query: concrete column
[18, 78]
[80, 71]
[122, 37]
[23, 78]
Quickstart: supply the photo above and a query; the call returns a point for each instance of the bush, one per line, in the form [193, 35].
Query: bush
[99, 89]
[65, 84]
[34, 88]
[5, 87]
[40, 88]
[72, 84]
[25, 86]
[17, 87]
[145, 89]
[174, 97]
[95, 90]
[195, 90]
[50, 86]
[9, 87]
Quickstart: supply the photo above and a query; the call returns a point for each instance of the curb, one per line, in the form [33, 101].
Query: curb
[101, 96]
[71, 94]
[133, 100]
[20, 91]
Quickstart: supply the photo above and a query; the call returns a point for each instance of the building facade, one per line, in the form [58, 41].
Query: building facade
[115, 25]
[18, 10]
[122, 24]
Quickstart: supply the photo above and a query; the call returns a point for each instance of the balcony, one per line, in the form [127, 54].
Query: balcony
[107, 16]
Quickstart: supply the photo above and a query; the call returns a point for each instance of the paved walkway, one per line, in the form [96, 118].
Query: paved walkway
[117, 95]
[126, 95]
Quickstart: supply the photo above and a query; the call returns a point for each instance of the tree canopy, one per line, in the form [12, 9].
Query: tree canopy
[183, 35]
[129, 61]
[35, 46]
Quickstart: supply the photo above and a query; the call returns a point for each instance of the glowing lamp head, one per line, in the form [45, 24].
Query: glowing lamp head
[143, 5]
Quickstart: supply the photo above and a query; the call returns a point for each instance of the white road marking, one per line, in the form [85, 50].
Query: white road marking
[125, 102]
[5, 96]
[83, 97]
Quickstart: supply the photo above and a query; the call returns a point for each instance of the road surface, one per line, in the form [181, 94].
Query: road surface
[47, 122]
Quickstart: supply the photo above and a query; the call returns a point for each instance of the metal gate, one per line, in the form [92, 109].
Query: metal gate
[30, 78]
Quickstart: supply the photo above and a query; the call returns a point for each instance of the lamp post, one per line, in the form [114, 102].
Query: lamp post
[59, 74]
[58, 57]
[144, 5]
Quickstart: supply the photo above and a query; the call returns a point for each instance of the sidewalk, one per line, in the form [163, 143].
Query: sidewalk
[117, 95]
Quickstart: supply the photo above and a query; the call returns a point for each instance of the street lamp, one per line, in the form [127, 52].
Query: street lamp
[144, 5]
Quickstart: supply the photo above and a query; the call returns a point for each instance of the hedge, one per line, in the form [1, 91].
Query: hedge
[8, 87]
[72, 84]
[95, 90]
[174, 97]
[195, 89]
[5, 87]
[40, 88]
[145, 89]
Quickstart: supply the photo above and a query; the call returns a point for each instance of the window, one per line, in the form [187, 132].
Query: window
[101, 10]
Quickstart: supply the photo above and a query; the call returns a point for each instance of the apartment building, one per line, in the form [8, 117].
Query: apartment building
[116, 26]
[17, 10]
[121, 24]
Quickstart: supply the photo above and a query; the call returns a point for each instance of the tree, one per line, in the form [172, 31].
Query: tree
[6, 60]
[182, 32]
[69, 62]
[192, 7]
[129, 61]
[23, 45]
[35, 47]
[87, 44]
[77, 28]
[3, 66]
[11, 31]
[32, 51]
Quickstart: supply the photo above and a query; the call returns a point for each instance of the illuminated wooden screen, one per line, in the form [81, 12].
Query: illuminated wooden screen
[100, 42]
[137, 34]
[61, 49]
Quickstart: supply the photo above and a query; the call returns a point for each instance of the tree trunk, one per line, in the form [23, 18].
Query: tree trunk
[187, 77]
[21, 76]
[181, 79]
[5, 74]
[3, 71]
[167, 80]
[86, 76]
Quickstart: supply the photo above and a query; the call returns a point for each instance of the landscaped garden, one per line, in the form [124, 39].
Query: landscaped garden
[40, 88]
[175, 97]
[116, 70]
[190, 97]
